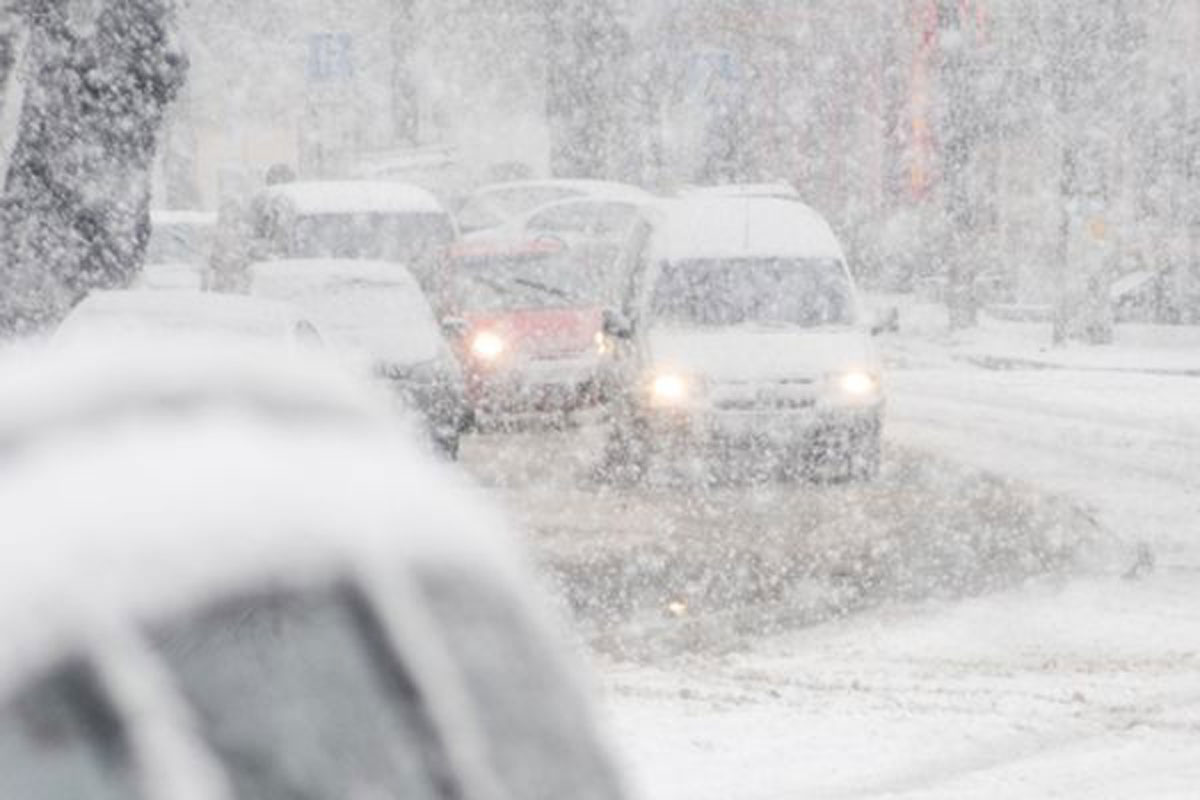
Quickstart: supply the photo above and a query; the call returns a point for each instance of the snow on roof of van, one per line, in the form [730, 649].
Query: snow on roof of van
[356, 197]
[194, 502]
[714, 227]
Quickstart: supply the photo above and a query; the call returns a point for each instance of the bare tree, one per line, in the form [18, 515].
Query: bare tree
[77, 193]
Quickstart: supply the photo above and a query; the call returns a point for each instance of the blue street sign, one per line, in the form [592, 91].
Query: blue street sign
[330, 57]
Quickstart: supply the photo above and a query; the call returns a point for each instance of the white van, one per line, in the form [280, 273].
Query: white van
[364, 220]
[741, 328]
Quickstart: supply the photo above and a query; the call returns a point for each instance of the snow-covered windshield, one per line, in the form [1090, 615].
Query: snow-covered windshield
[807, 293]
[299, 696]
[537, 280]
[60, 738]
[387, 237]
[515, 201]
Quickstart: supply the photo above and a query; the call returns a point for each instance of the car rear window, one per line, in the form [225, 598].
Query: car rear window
[299, 697]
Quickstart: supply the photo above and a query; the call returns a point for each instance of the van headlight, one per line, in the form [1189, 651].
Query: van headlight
[669, 389]
[858, 384]
[488, 346]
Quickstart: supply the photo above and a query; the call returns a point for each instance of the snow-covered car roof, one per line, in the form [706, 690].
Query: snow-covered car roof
[374, 307]
[182, 487]
[179, 313]
[199, 219]
[587, 188]
[713, 227]
[315, 198]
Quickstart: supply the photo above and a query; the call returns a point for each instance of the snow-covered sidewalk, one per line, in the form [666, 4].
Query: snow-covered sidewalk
[1076, 687]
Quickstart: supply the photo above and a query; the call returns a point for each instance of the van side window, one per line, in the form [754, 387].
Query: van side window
[635, 261]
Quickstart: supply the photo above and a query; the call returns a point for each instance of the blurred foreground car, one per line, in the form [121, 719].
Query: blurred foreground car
[376, 313]
[179, 249]
[530, 317]
[742, 331]
[152, 315]
[256, 591]
[373, 221]
[497, 204]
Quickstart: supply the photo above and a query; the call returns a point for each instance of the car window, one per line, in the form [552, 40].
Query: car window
[299, 697]
[534, 716]
[614, 219]
[61, 739]
[573, 218]
[633, 264]
[478, 215]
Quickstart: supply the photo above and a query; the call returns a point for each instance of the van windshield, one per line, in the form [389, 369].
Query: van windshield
[808, 293]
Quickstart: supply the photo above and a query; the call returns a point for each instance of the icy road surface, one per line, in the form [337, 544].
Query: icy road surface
[735, 668]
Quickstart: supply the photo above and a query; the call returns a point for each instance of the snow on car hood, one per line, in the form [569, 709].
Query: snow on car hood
[751, 354]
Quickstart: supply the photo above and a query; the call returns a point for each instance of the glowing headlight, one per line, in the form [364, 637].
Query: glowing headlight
[487, 346]
[859, 384]
[669, 389]
[603, 345]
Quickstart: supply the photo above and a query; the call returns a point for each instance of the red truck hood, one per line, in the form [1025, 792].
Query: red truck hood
[552, 333]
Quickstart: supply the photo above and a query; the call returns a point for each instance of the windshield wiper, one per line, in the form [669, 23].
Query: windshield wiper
[541, 287]
[495, 286]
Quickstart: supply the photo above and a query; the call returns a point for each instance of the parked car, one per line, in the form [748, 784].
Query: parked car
[373, 221]
[496, 204]
[257, 590]
[377, 314]
[151, 315]
[178, 251]
[741, 328]
[530, 316]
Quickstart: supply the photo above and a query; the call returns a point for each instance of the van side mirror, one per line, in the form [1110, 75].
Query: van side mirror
[617, 325]
[886, 321]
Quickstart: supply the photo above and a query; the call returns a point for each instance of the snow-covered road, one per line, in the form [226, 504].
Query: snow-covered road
[1082, 686]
